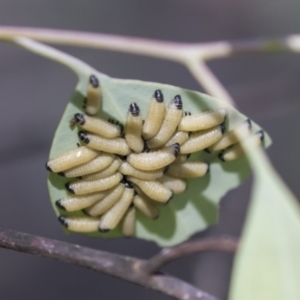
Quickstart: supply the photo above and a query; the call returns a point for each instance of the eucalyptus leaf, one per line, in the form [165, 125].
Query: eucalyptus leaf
[267, 265]
[189, 212]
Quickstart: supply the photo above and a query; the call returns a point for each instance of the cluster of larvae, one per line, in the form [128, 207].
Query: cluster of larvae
[117, 169]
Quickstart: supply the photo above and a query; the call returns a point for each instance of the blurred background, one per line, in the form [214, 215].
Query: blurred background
[34, 92]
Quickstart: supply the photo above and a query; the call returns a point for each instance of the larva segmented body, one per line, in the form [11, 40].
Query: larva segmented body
[188, 169]
[127, 169]
[154, 160]
[82, 187]
[97, 126]
[237, 150]
[71, 159]
[145, 206]
[97, 164]
[169, 125]
[115, 146]
[111, 197]
[128, 225]
[133, 129]
[153, 189]
[202, 140]
[113, 216]
[155, 116]
[174, 184]
[94, 96]
[203, 120]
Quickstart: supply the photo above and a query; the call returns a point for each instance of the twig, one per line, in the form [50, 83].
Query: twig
[228, 244]
[124, 267]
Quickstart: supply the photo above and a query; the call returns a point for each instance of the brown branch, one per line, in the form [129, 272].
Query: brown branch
[127, 268]
[166, 255]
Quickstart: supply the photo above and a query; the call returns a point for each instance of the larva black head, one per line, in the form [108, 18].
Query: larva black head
[261, 135]
[63, 221]
[79, 118]
[124, 180]
[158, 95]
[58, 204]
[223, 127]
[177, 102]
[156, 217]
[68, 187]
[187, 113]
[128, 185]
[47, 166]
[221, 156]
[207, 151]
[248, 121]
[62, 174]
[176, 148]
[84, 137]
[134, 109]
[188, 156]
[94, 81]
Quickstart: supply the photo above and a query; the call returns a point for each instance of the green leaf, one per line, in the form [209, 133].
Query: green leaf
[267, 265]
[189, 212]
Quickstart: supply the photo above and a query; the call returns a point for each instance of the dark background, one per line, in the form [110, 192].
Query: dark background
[34, 92]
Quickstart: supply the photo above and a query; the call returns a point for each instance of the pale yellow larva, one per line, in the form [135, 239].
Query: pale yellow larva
[145, 206]
[80, 224]
[202, 140]
[98, 126]
[127, 169]
[179, 137]
[133, 129]
[71, 159]
[105, 172]
[83, 187]
[188, 169]
[103, 205]
[116, 145]
[113, 216]
[155, 116]
[203, 120]
[153, 189]
[149, 161]
[93, 101]
[128, 224]
[75, 203]
[180, 159]
[237, 150]
[97, 164]
[169, 125]
[175, 184]
[231, 137]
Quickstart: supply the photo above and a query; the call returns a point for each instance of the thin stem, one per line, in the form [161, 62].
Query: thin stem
[209, 81]
[127, 268]
[167, 255]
